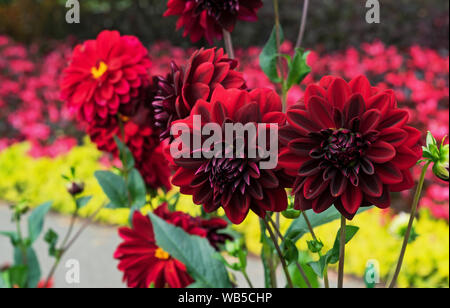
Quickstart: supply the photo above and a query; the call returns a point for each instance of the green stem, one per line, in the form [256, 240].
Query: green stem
[228, 44]
[410, 224]
[280, 255]
[244, 272]
[299, 267]
[313, 234]
[301, 32]
[23, 248]
[125, 167]
[342, 253]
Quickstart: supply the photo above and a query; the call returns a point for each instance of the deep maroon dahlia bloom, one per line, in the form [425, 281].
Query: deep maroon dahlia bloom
[208, 18]
[177, 93]
[348, 145]
[235, 184]
[105, 74]
[144, 263]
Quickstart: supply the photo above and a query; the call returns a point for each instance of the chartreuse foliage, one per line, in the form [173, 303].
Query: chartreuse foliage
[426, 263]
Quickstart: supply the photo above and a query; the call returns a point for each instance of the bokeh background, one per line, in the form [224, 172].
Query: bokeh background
[408, 51]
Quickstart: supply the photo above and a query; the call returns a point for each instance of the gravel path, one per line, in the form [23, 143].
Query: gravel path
[94, 250]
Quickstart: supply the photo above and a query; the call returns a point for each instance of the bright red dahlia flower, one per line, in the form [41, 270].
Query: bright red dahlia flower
[177, 93]
[349, 145]
[144, 263]
[208, 18]
[236, 184]
[104, 74]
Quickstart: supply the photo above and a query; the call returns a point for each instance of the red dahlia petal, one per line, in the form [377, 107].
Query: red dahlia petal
[383, 201]
[321, 112]
[338, 184]
[371, 185]
[394, 136]
[389, 173]
[381, 152]
[300, 120]
[352, 199]
[362, 86]
[338, 93]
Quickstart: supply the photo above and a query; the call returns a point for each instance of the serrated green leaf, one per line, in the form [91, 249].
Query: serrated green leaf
[194, 252]
[36, 221]
[114, 187]
[298, 68]
[269, 57]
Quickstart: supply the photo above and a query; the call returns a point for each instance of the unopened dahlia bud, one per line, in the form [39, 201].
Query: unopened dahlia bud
[75, 188]
[438, 155]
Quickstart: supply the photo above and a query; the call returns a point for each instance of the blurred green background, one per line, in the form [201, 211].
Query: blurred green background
[332, 24]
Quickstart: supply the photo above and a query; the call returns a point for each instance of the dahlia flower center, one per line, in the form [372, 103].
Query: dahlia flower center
[344, 148]
[100, 70]
[161, 254]
[217, 7]
[225, 174]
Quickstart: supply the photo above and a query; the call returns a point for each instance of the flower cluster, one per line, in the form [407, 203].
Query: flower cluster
[145, 264]
[108, 86]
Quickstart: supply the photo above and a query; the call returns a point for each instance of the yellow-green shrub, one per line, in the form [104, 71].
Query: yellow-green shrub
[38, 180]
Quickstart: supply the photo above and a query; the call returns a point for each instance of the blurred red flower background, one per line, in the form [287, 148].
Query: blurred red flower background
[31, 109]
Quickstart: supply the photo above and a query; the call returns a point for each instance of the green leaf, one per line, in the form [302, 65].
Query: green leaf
[32, 262]
[319, 266]
[333, 254]
[290, 251]
[297, 278]
[299, 227]
[11, 235]
[83, 201]
[17, 276]
[194, 252]
[125, 154]
[298, 69]
[36, 221]
[269, 57]
[114, 187]
[137, 189]
[430, 139]
[51, 238]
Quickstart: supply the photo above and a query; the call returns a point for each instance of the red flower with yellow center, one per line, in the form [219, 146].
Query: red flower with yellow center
[144, 263]
[348, 145]
[105, 74]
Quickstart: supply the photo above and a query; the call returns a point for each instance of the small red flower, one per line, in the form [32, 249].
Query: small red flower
[208, 18]
[144, 263]
[105, 74]
[154, 169]
[178, 92]
[349, 145]
[236, 184]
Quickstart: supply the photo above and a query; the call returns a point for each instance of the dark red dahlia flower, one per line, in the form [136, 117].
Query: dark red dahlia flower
[176, 94]
[208, 18]
[349, 145]
[144, 263]
[236, 184]
[105, 74]
[154, 168]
